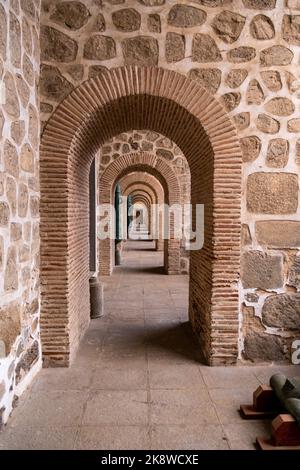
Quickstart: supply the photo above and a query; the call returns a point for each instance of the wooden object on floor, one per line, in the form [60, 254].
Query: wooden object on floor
[266, 444]
[265, 404]
[285, 434]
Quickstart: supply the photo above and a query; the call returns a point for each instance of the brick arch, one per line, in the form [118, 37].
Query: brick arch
[144, 202]
[141, 178]
[130, 183]
[140, 162]
[143, 196]
[161, 176]
[141, 191]
[164, 101]
[147, 179]
[154, 195]
[139, 196]
[136, 182]
[148, 182]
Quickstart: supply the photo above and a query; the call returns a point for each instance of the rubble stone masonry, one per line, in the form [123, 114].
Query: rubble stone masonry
[20, 352]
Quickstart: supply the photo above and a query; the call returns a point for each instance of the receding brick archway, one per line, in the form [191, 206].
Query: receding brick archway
[139, 183]
[142, 190]
[113, 102]
[133, 181]
[150, 197]
[164, 174]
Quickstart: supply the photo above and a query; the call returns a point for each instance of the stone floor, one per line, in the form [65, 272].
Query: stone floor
[137, 382]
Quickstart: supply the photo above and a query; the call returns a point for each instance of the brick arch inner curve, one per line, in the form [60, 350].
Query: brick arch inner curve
[167, 102]
[160, 222]
[142, 193]
[148, 182]
[142, 190]
[159, 169]
[105, 262]
[146, 190]
[145, 179]
[136, 182]
[141, 197]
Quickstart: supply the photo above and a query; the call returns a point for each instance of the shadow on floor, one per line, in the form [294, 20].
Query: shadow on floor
[177, 340]
[140, 249]
[165, 340]
[141, 269]
[140, 245]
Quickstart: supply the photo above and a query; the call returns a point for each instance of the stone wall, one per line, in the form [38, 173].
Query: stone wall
[161, 147]
[20, 356]
[246, 53]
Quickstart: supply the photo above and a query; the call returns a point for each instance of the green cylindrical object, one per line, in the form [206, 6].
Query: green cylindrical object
[293, 406]
[118, 254]
[118, 200]
[288, 392]
[117, 209]
[129, 213]
[96, 298]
